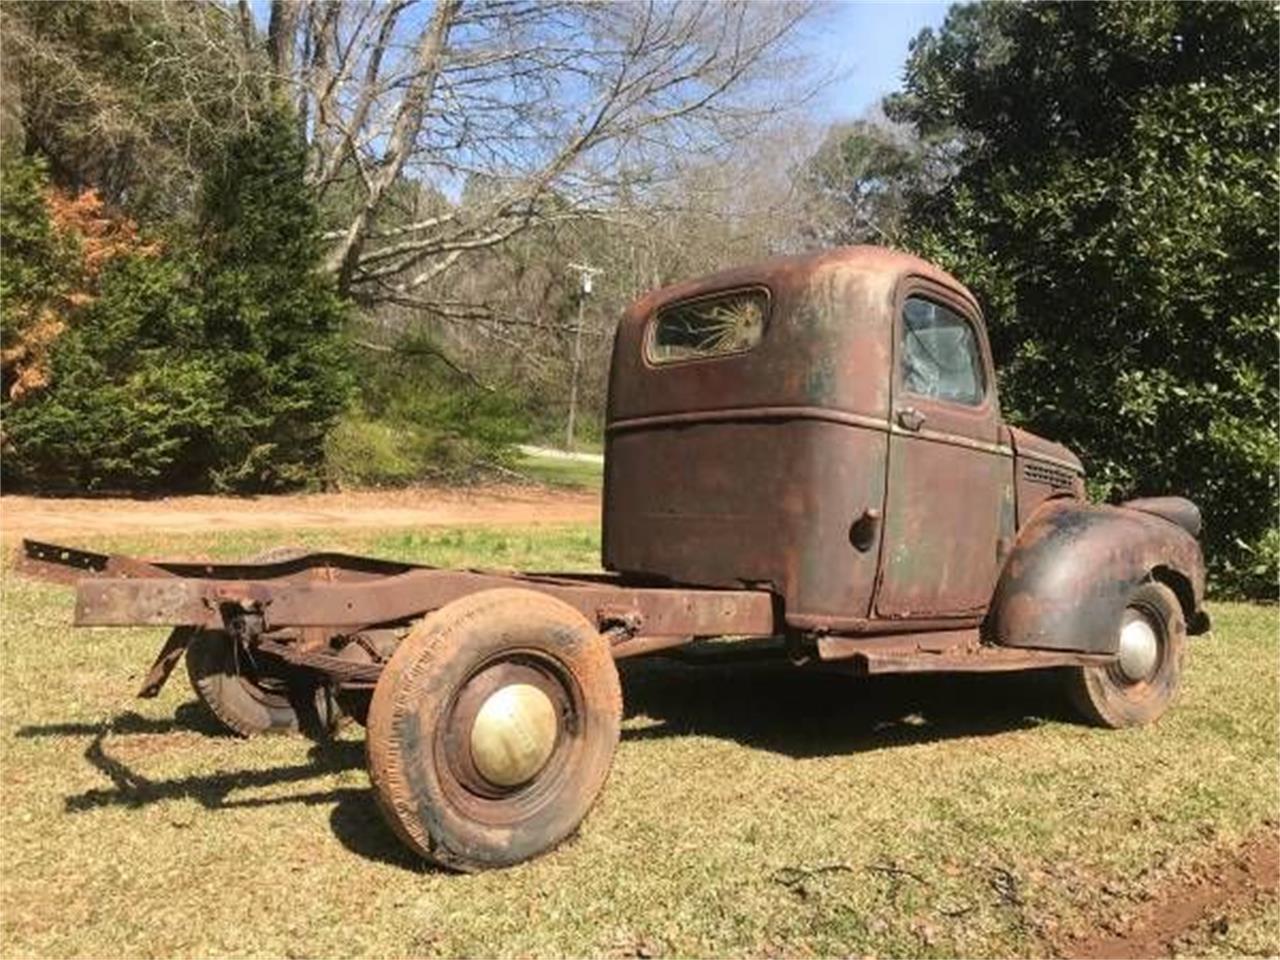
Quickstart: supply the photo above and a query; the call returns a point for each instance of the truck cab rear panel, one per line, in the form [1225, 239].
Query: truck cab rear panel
[770, 465]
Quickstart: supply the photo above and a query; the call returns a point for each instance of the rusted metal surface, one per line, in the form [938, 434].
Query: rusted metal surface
[1043, 470]
[767, 467]
[768, 502]
[67, 565]
[1069, 577]
[944, 517]
[638, 646]
[209, 603]
[174, 647]
[826, 344]
[943, 651]
[1177, 510]
[789, 466]
[949, 495]
[879, 626]
[337, 668]
[56, 563]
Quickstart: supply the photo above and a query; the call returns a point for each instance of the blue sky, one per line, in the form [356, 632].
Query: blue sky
[864, 41]
[867, 43]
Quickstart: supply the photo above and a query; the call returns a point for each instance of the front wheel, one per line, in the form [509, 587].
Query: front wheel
[492, 729]
[1140, 684]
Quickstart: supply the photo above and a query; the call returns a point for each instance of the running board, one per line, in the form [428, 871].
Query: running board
[943, 651]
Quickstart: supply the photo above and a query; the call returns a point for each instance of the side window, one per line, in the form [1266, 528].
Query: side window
[940, 354]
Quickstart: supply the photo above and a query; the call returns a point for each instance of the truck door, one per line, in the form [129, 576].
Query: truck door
[949, 493]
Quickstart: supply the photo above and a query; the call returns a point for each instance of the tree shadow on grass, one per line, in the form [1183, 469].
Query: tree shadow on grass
[775, 707]
[212, 791]
[812, 713]
[190, 717]
[356, 821]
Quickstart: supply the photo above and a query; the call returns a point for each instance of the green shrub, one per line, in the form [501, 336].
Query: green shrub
[419, 420]
[131, 405]
[362, 452]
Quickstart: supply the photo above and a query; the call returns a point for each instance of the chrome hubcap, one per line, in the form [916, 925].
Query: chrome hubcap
[1139, 646]
[514, 734]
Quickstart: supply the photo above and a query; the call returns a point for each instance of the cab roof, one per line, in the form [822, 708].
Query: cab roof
[788, 272]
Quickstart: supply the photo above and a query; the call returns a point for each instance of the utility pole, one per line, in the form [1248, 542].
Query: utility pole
[586, 276]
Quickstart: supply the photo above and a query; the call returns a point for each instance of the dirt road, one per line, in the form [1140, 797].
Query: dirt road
[428, 507]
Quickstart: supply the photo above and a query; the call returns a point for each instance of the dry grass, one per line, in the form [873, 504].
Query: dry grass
[752, 811]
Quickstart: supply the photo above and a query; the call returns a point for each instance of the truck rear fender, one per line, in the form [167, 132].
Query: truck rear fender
[1065, 584]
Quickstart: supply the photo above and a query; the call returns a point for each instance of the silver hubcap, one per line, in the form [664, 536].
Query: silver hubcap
[1139, 646]
[513, 735]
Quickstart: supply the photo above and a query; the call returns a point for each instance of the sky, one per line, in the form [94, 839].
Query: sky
[867, 43]
[863, 41]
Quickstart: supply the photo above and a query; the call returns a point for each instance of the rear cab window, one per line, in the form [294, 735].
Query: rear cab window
[719, 325]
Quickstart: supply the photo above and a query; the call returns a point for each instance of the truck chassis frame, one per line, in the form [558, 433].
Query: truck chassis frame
[296, 609]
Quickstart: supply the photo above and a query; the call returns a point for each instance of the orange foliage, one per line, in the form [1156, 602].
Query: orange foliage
[101, 236]
[27, 361]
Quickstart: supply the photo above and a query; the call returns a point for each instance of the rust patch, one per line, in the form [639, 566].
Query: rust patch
[1238, 877]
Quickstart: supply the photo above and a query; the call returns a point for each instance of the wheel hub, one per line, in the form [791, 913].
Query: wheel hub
[1139, 646]
[513, 735]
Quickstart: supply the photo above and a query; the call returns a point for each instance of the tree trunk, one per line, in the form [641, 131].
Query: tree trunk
[346, 255]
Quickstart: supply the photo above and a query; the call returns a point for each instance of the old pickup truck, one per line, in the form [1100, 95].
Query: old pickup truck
[805, 457]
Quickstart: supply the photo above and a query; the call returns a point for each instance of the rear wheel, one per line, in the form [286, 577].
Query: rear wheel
[248, 697]
[492, 729]
[251, 694]
[1140, 684]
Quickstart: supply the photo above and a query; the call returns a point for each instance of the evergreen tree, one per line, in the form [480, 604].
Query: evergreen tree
[216, 364]
[274, 318]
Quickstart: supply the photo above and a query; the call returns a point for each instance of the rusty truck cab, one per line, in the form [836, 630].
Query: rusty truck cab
[826, 426]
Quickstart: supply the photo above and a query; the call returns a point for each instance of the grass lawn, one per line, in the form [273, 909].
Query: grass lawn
[758, 811]
[559, 472]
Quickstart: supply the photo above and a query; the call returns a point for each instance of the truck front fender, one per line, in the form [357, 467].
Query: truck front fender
[1066, 582]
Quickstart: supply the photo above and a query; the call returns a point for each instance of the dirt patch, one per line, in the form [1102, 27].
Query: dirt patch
[1234, 880]
[50, 518]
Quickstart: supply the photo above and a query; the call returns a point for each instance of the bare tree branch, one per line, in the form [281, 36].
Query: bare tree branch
[409, 116]
[426, 350]
[513, 115]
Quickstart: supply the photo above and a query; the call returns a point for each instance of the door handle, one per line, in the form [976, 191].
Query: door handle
[911, 418]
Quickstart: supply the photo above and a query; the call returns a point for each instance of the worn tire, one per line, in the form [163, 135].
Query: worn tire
[1105, 696]
[421, 762]
[246, 703]
[249, 704]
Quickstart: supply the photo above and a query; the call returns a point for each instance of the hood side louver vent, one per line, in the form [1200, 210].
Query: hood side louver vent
[1059, 478]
